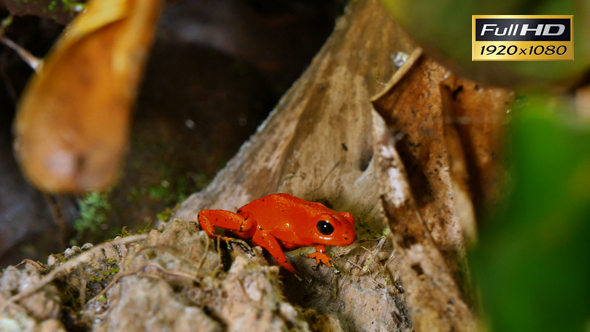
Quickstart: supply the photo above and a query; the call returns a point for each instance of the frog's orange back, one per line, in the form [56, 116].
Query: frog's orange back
[294, 221]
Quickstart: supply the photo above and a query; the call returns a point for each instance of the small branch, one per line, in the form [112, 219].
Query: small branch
[113, 282]
[324, 180]
[27, 57]
[204, 256]
[165, 249]
[69, 265]
[5, 24]
[25, 261]
[157, 266]
[353, 264]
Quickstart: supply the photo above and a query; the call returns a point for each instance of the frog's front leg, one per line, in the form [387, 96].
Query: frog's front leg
[242, 224]
[320, 255]
[270, 243]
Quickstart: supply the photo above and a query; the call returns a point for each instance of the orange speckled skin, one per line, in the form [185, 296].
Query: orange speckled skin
[282, 221]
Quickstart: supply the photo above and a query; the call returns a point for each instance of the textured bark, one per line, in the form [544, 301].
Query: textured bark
[399, 157]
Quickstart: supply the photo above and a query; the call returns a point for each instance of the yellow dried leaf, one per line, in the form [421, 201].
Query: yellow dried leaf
[72, 121]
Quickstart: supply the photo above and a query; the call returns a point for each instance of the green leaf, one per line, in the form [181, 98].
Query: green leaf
[533, 259]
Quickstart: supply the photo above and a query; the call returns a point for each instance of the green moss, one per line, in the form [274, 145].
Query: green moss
[365, 227]
[52, 5]
[166, 214]
[159, 192]
[68, 5]
[5, 24]
[124, 232]
[94, 209]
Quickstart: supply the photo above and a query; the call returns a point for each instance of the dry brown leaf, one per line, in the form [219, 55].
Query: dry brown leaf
[449, 137]
[72, 122]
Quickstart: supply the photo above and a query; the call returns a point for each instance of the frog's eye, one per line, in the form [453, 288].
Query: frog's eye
[325, 228]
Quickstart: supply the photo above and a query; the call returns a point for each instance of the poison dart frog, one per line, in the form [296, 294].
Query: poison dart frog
[283, 222]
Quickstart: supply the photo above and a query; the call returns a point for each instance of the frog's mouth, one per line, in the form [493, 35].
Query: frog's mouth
[340, 240]
[348, 239]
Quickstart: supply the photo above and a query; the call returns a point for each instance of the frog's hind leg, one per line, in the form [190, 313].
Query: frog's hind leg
[241, 224]
[270, 243]
[244, 225]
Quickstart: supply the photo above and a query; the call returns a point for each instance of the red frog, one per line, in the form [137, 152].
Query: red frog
[281, 221]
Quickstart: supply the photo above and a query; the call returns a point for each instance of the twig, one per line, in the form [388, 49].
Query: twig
[5, 24]
[173, 273]
[251, 300]
[390, 258]
[27, 57]
[165, 249]
[376, 282]
[219, 253]
[82, 285]
[158, 266]
[202, 260]
[68, 265]
[373, 253]
[324, 180]
[38, 266]
[114, 281]
[120, 276]
[353, 264]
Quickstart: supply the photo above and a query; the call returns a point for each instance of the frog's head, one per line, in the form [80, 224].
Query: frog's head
[335, 229]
